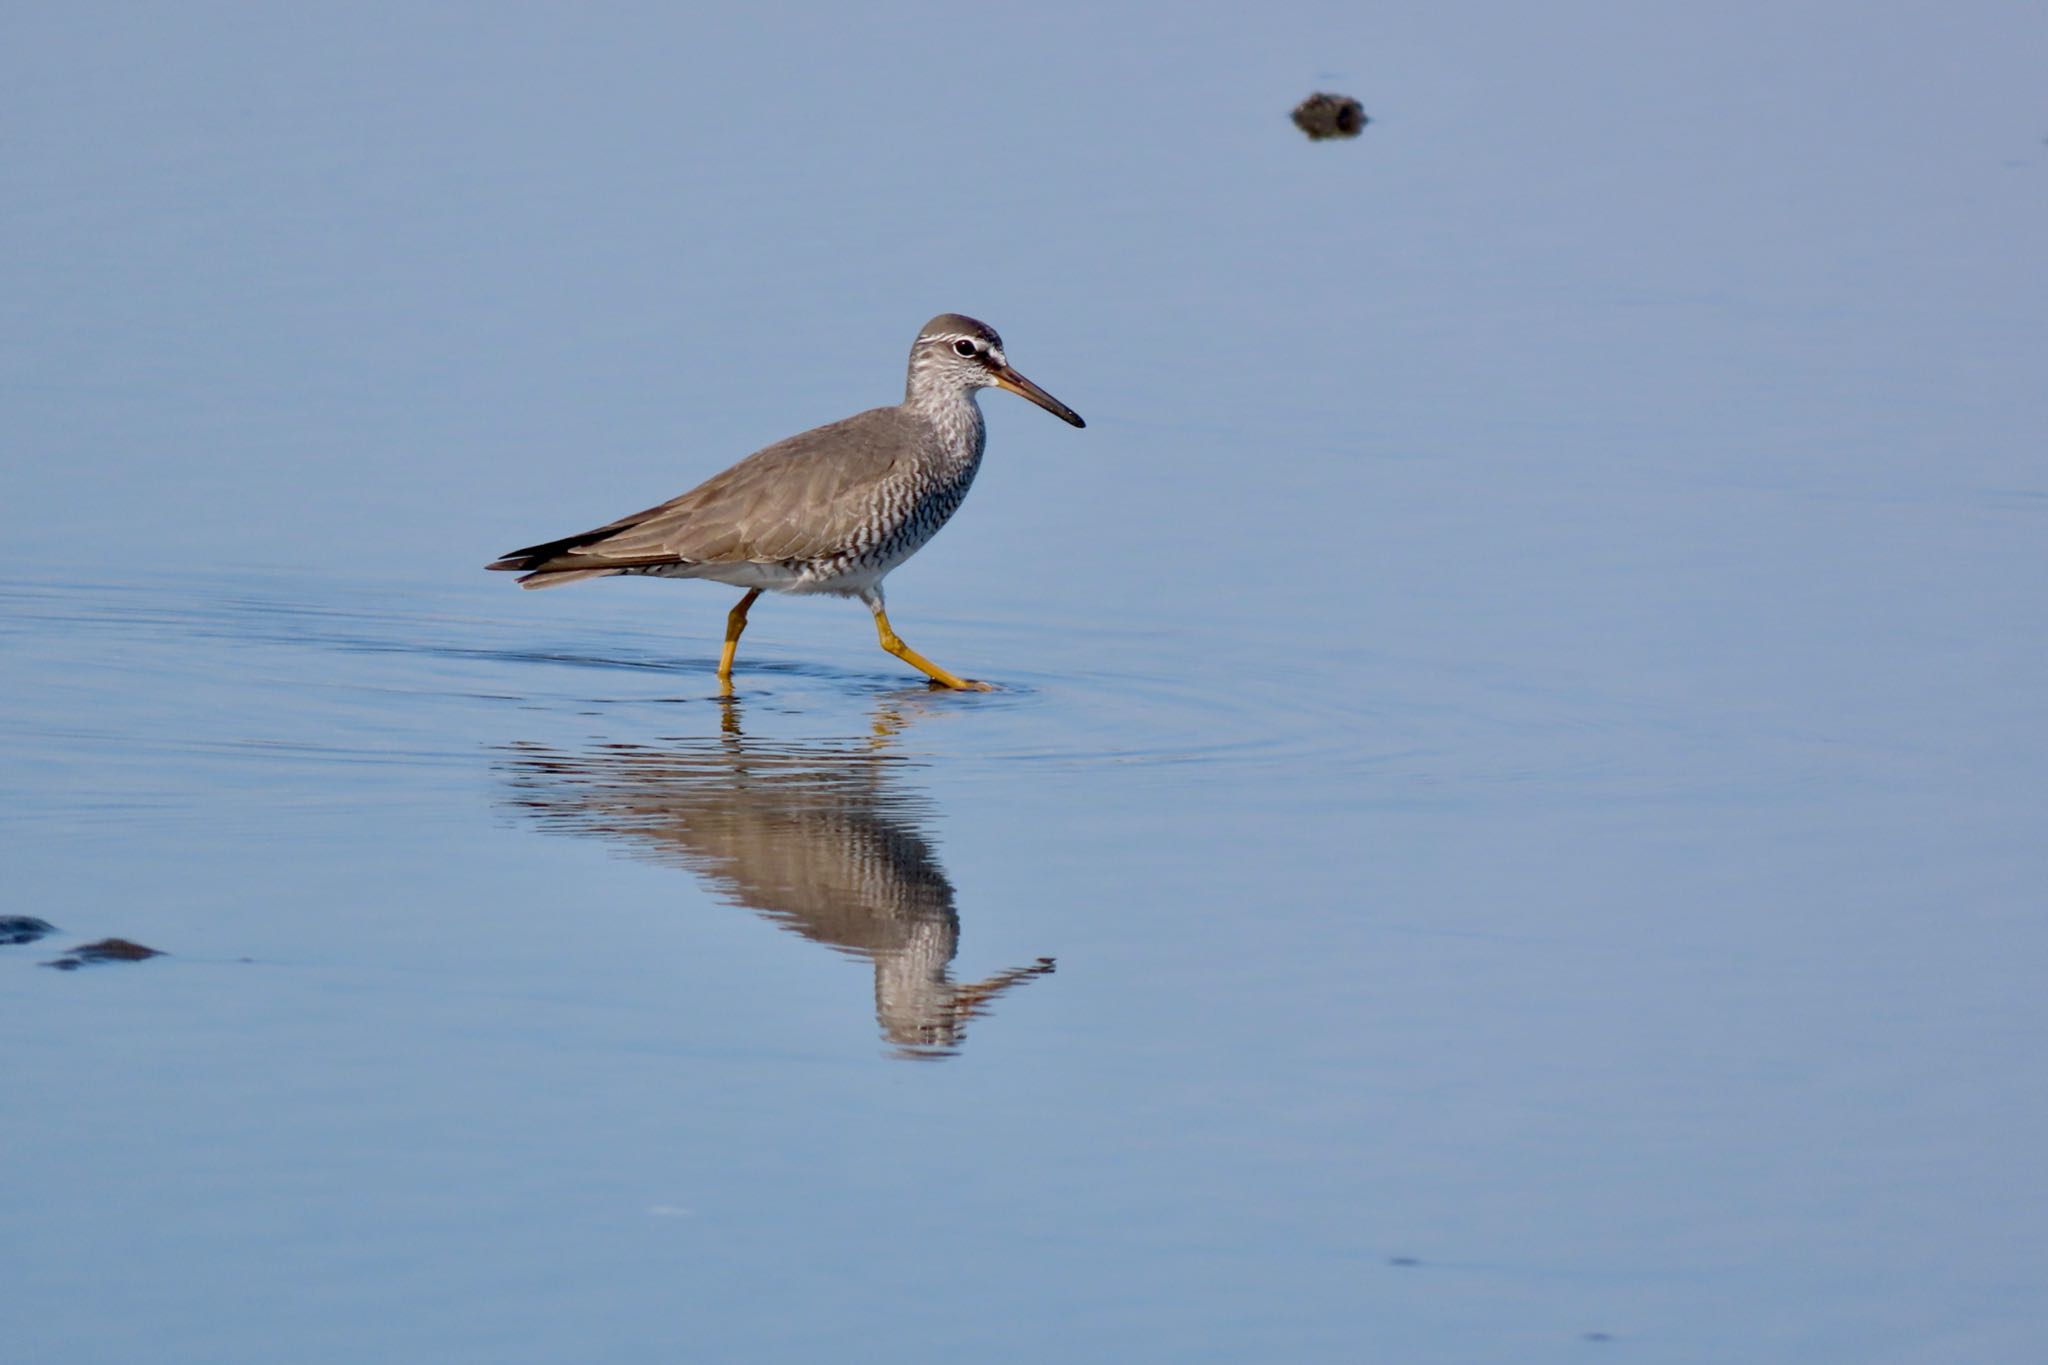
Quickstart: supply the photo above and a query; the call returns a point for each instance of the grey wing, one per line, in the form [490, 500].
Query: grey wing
[802, 498]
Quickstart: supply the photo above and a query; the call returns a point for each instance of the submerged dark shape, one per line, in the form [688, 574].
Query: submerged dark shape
[23, 929]
[106, 950]
[820, 838]
[1324, 115]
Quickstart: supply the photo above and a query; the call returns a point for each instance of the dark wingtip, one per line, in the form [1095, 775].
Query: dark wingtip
[1075, 418]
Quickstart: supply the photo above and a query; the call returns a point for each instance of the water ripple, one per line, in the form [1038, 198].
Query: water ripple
[312, 675]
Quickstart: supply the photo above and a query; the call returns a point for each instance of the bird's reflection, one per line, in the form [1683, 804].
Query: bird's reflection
[823, 838]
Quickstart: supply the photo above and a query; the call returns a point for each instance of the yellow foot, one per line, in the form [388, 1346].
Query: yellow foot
[893, 643]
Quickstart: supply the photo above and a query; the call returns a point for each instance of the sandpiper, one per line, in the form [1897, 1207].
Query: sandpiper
[830, 511]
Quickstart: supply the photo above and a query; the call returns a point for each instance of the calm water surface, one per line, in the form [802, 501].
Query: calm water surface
[1512, 828]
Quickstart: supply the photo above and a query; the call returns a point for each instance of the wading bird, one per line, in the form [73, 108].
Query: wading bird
[830, 511]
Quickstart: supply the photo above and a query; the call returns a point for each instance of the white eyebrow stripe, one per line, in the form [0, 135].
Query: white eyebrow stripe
[948, 338]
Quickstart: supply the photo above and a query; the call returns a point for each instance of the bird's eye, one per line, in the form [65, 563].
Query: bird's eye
[963, 348]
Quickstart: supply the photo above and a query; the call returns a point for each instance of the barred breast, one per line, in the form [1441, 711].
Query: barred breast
[908, 507]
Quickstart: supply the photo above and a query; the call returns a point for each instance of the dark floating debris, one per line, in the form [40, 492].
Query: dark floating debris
[106, 950]
[1403, 1260]
[1323, 115]
[1596, 1336]
[23, 929]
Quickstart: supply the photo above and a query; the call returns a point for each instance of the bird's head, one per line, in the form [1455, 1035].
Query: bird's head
[956, 354]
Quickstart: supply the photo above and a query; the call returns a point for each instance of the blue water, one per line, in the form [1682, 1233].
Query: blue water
[1512, 828]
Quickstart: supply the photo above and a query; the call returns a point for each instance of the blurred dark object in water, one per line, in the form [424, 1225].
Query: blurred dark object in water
[1323, 115]
[23, 929]
[106, 950]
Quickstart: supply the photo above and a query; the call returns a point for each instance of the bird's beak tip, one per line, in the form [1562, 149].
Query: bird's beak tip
[1016, 383]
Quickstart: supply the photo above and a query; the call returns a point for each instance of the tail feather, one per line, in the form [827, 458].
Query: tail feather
[537, 556]
[572, 559]
[555, 578]
[543, 565]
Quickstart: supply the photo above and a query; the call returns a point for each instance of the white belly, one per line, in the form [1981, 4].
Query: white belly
[777, 577]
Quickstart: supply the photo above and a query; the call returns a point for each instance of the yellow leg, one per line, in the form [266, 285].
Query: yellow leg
[893, 642]
[735, 623]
